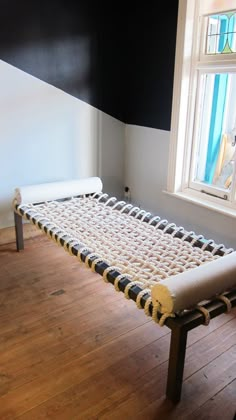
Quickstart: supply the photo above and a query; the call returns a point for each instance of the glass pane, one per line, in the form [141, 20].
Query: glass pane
[216, 151]
[221, 33]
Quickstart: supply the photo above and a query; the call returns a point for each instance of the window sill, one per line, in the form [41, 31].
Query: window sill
[211, 203]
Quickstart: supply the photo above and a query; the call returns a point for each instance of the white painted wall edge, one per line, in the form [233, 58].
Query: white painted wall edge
[47, 135]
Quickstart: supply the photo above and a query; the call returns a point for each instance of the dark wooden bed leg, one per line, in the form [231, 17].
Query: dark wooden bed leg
[176, 363]
[19, 232]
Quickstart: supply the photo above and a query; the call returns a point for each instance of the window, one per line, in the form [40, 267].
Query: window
[202, 161]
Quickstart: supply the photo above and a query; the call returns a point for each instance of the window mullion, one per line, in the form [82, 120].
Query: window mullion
[233, 186]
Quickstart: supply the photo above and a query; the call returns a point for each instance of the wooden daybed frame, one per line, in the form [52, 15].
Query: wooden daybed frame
[179, 326]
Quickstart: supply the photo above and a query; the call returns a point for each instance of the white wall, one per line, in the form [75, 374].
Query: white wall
[146, 159]
[111, 133]
[47, 135]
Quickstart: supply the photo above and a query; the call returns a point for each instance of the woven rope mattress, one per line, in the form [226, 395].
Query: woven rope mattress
[139, 248]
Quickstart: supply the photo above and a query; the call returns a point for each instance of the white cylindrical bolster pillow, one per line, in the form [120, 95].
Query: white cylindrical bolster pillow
[187, 289]
[56, 190]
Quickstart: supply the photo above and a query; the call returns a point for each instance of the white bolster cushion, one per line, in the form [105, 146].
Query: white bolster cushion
[187, 289]
[56, 190]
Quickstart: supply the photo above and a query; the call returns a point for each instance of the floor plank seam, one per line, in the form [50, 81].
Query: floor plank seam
[214, 396]
[215, 358]
[211, 332]
[81, 357]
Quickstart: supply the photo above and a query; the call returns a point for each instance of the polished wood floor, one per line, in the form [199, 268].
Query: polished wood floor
[73, 348]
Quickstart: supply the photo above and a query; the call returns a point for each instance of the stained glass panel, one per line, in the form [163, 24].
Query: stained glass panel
[221, 33]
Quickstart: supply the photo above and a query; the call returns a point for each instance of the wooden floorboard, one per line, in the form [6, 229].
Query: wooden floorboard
[221, 405]
[73, 348]
[7, 235]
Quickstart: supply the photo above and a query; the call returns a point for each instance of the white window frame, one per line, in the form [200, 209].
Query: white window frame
[187, 44]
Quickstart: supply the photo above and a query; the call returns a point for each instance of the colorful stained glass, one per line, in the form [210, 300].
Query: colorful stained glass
[221, 33]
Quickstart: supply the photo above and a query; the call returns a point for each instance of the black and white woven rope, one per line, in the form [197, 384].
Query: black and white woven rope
[131, 248]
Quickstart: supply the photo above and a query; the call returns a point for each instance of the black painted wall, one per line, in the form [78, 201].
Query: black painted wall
[118, 60]
[150, 57]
